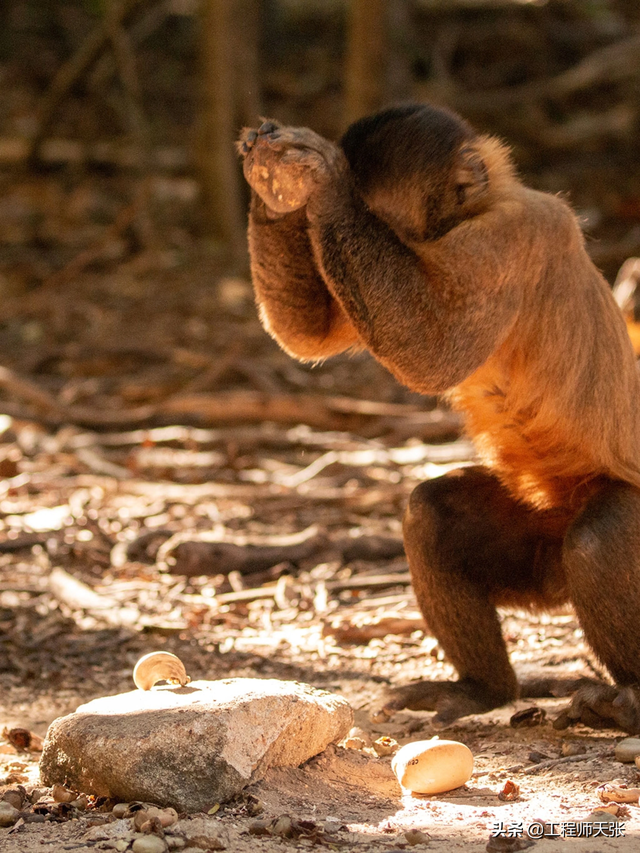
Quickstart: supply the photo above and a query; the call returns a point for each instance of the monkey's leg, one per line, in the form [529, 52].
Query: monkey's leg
[470, 547]
[601, 559]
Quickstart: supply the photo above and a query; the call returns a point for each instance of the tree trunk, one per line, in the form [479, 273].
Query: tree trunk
[218, 163]
[367, 52]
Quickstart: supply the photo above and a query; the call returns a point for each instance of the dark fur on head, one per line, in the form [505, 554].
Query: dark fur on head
[424, 154]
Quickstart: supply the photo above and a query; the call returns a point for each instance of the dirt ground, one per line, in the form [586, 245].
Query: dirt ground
[248, 549]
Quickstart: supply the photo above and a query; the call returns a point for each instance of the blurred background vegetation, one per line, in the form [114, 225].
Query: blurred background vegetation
[117, 117]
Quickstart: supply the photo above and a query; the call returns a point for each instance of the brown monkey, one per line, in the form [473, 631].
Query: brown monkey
[414, 238]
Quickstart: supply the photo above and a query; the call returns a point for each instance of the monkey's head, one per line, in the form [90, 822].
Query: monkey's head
[420, 168]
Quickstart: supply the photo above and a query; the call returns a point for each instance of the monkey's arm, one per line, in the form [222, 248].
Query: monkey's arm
[295, 306]
[432, 312]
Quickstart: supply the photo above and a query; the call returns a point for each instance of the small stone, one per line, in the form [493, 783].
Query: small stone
[8, 814]
[260, 827]
[573, 747]
[120, 810]
[627, 749]
[354, 743]
[149, 844]
[203, 833]
[528, 718]
[358, 732]
[36, 794]
[167, 817]
[140, 817]
[416, 836]
[332, 825]
[117, 830]
[600, 815]
[15, 797]
[283, 827]
[535, 756]
[61, 795]
[189, 747]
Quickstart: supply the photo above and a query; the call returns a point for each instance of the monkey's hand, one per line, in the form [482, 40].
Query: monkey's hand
[284, 165]
[600, 705]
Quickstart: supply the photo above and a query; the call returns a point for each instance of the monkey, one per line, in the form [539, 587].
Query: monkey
[414, 238]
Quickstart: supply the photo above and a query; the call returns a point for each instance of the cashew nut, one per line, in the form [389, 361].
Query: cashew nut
[159, 666]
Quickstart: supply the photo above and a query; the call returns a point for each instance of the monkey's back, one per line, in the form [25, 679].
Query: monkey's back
[557, 407]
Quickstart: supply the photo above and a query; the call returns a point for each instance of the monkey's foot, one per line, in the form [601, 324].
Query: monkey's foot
[450, 699]
[284, 165]
[600, 705]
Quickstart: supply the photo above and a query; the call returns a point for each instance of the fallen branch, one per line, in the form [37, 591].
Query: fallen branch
[341, 413]
[363, 582]
[194, 553]
[346, 631]
[553, 762]
[78, 596]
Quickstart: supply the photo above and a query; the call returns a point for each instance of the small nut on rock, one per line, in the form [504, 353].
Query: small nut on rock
[433, 766]
[159, 666]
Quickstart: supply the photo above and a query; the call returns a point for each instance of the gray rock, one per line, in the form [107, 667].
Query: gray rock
[8, 815]
[191, 747]
[149, 844]
[627, 749]
[204, 833]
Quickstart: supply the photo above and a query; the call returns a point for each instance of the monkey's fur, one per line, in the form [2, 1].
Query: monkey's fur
[414, 239]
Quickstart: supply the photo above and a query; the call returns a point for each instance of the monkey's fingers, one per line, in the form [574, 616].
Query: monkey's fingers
[249, 135]
[299, 139]
[599, 705]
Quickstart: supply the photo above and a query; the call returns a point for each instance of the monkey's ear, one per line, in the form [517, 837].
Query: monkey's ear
[471, 175]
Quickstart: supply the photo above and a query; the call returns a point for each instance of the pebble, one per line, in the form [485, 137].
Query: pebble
[416, 836]
[627, 749]
[8, 815]
[14, 797]
[149, 844]
[573, 747]
[601, 816]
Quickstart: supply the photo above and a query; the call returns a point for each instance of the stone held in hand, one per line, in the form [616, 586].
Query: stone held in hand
[433, 766]
[190, 747]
